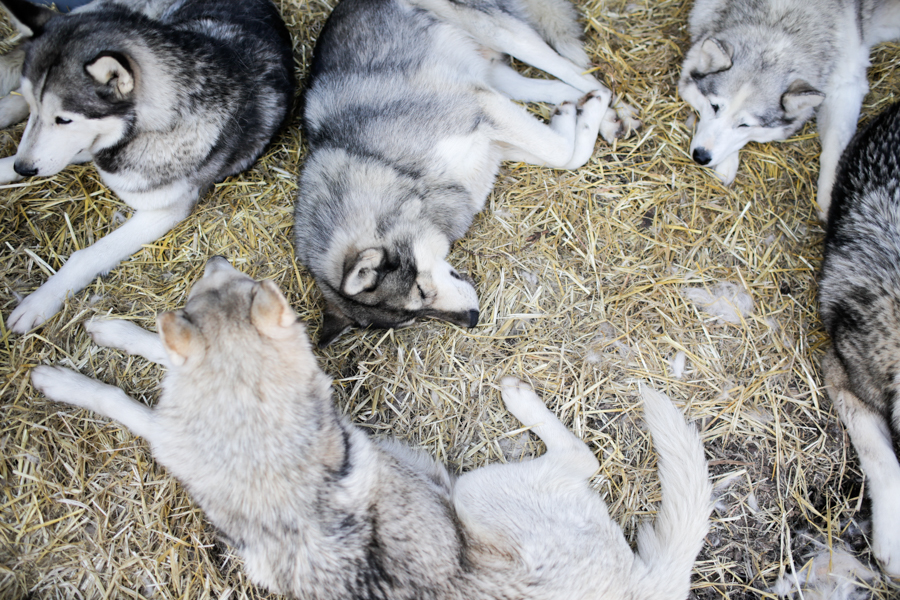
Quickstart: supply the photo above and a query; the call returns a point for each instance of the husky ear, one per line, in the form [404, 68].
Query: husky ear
[179, 336]
[362, 273]
[334, 323]
[799, 98]
[28, 18]
[111, 70]
[715, 56]
[270, 312]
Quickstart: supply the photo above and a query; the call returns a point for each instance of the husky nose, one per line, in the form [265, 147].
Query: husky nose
[473, 318]
[702, 156]
[25, 169]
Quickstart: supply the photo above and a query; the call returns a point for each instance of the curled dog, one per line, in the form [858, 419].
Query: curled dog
[320, 510]
[757, 70]
[859, 302]
[166, 97]
[408, 116]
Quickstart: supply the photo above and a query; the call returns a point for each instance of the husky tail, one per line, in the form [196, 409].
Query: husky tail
[557, 22]
[667, 548]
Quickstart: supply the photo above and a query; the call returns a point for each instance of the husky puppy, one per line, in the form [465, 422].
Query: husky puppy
[166, 97]
[320, 510]
[859, 296]
[408, 116]
[757, 70]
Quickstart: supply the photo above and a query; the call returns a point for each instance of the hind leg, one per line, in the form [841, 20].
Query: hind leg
[518, 87]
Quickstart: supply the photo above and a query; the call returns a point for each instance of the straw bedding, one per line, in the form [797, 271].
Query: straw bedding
[590, 281]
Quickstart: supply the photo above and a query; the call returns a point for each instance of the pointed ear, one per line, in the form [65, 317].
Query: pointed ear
[29, 18]
[361, 273]
[715, 56]
[178, 335]
[270, 312]
[112, 70]
[334, 323]
[800, 98]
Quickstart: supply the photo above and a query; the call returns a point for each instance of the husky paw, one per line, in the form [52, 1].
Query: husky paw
[726, 170]
[886, 534]
[65, 385]
[7, 171]
[111, 333]
[34, 310]
[627, 117]
[521, 401]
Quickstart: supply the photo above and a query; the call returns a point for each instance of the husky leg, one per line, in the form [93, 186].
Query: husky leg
[13, 109]
[143, 227]
[518, 87]
[836, 120]
[567, 143]
[11, 70]
[64, 385]
[128, 337]
[7, 171]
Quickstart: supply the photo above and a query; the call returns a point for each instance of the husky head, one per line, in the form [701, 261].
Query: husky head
[390, 286]
[80, 94]
[742, 94]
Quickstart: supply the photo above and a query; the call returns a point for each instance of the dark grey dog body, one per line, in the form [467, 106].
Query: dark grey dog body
[165, 97]
[408, 116]
[860, 305]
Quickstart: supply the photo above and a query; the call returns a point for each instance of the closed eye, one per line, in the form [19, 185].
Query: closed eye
[62, 121]
[422, 293]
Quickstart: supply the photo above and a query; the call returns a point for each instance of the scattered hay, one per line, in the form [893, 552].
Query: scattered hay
[581, 277]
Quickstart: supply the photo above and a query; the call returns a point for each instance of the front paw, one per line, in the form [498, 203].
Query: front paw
[726, 170]
[65, 385]
[7, 170]
[34, 310]
[111, 333]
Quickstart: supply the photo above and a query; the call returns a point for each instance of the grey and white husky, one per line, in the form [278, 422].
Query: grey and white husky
[859, 296]
[408, 116]
[322, 511]
[166, 97]
[757, 70]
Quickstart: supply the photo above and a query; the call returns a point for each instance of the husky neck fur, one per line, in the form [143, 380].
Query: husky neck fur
[859, 302]
[166, 97]
[322, 511]
[757, 70]
[408, 116]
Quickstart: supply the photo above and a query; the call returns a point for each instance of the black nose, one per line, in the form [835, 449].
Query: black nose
[473, 318]
[25, 169]
[702, 156]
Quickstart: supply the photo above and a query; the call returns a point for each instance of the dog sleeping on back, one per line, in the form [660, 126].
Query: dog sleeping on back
[321, 511]
[408, 116]
[166, 97]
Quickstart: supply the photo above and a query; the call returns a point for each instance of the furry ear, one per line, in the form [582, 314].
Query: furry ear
[29, 18]
[111, 69]
[178, 335]
[270, 312]
[362, 274]
[799, 98]
[334, 323]
[715, 56]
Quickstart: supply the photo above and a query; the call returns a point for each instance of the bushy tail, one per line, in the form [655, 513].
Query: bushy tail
[557, 22]
[667, 548]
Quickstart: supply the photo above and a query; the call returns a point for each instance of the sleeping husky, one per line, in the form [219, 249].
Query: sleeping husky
[859, 296]
[320, 510]
[408, 116]
[166, 97]
[757, 70]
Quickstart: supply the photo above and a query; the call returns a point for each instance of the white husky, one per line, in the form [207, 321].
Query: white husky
[757, 70]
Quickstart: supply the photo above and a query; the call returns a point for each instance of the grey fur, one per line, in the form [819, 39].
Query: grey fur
[321, 511]
[408, 117]
[166, 97]
[859, 296]
[770, 65]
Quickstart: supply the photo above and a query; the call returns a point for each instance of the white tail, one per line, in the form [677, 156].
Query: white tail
[668, 547]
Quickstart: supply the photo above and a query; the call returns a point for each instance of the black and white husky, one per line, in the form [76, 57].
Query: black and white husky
[859, 296]
[408, 116]
[166, 97]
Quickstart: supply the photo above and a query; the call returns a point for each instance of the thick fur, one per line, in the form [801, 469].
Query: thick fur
[321, 511]
[859, 295]
[166, 97]
[408, 116]
[757, 70]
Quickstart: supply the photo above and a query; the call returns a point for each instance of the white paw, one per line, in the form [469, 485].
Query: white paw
[823, 200]
[34, 310]
[610, 126]
[628, 118]
[521, 401]
[7, 171]
[886, 534]
[111, 333]
[727, 169]
[65, 385]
